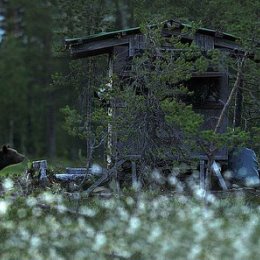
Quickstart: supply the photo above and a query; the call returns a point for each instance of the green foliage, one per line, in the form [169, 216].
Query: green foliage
[13, 171]
[75, 124]
[211, 141]
[181, 115]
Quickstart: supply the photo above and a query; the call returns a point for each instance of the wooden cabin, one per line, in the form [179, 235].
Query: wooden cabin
[122, 45]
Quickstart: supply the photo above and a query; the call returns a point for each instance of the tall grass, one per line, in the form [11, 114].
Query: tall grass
[137, 227]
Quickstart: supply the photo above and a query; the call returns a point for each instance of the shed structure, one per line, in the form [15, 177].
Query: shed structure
[122, 45]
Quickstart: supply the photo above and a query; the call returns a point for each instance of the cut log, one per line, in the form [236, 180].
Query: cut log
[41, 166]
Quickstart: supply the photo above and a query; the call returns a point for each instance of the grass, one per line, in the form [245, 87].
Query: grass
[14, 170]
[56, 165]
[147, 225]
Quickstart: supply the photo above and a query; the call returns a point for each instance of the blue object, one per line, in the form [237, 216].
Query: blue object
[243, 163]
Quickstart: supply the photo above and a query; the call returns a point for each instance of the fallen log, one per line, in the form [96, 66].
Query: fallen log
[67, 177]
[110, 173]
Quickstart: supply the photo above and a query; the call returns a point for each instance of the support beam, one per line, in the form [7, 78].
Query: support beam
[202, 175]
[110, 114]
[134, 175]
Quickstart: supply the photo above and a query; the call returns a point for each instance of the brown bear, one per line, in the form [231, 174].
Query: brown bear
[9, 156]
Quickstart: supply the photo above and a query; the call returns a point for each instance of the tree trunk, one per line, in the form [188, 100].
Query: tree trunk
[11, 132]
[51, 128]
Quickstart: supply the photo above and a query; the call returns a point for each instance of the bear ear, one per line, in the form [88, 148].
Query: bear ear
[5, 148]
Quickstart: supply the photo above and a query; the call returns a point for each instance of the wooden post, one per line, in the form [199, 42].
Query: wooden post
[202, 174]
[116, 178]
[208, 176]
[134, 175]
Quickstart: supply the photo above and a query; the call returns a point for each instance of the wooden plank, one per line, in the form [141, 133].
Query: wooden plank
[96, 48]
[230, 45]
[70, 170]
[67, 177]
[217, 170]
[204, 42]
[121, 59]
[209, 74]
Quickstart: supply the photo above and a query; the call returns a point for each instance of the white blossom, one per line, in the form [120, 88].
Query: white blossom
[3, 207]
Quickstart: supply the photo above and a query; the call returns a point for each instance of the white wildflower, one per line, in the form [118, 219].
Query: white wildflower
[182, 199]
[90, 231]
[8, 184]
[96, 169]
[108, 204]
[228, 175]
[31, 201]
[210, 198]
[37, 212]
[100, 241]
[3, 207]
[35, 241]
[61, 208]
[194, 252]
[155, 233]
[47, 197]
[21, 213]
[172, 180]
[141, 206]
[88, 211]
[134, 224]
[24, 233]
[130, 201]
[200, 193]
[157, 177]
[123, 214]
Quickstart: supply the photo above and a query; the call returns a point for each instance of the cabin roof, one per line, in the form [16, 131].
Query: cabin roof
[101, 36]
[104, 42]
[136, 30]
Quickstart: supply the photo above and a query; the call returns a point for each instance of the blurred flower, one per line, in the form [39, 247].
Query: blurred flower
[8, 184]
[31, 201]
[35, 241]
[100, 241]
[3, 207]
[134, 224]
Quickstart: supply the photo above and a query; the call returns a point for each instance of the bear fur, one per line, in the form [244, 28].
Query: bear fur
[9, 156]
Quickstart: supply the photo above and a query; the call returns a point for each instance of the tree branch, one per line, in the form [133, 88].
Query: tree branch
[232, 93]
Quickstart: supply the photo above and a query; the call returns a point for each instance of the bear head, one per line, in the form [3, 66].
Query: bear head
[9, 156]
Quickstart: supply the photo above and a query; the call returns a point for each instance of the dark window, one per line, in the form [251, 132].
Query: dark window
[204, 92]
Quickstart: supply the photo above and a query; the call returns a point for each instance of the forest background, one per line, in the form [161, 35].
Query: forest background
[38, 79]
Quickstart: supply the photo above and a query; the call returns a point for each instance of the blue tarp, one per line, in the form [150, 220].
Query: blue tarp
[244, 166]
